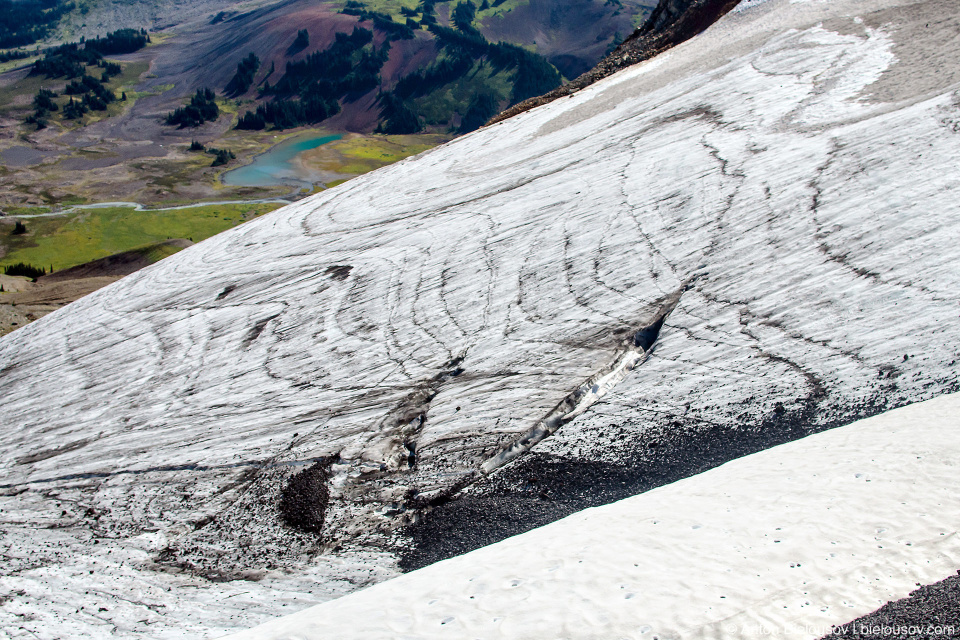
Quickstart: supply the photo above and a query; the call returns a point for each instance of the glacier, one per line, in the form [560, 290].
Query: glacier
[781, 191]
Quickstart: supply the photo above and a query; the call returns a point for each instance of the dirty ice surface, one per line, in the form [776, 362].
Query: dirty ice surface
[786, 185]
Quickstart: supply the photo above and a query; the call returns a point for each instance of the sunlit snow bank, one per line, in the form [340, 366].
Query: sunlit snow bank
[783, 543]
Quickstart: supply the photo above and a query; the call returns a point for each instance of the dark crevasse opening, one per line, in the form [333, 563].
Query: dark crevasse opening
[645, 338]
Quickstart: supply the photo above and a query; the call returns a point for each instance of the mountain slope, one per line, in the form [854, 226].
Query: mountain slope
[670, 23]
[574, 35]
[419, 70]
[741, 242]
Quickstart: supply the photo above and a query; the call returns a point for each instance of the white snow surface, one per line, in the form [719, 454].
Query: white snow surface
[788, 179]
[784, 543]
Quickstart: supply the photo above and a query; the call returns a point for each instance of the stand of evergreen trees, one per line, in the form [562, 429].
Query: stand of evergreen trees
[75, 109]
[301, 42]
[463, 15]
[24, 269]
[95, 96]
[110, 69]
[288, 114]
[447, 69]
[221, 156]
[23, 22]
[533, 74]
[201, 108]
[73, 61]
[329, 67]
[70, 60]
[396, 118]
[428, 15]
[243, 78]
[381, 21]
[18, 54]
[483, 107]
[43, 101]
[464, 48]
[310, 89]
[38, 118]
[119, 41]
[43, 105]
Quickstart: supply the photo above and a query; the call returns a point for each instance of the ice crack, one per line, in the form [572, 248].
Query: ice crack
[589, 392]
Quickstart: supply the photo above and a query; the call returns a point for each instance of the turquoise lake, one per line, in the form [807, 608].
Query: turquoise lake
[276, 166]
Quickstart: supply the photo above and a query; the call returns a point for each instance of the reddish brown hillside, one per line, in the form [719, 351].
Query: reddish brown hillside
[672, 22]
[572, 35]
